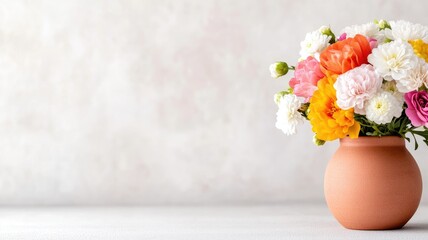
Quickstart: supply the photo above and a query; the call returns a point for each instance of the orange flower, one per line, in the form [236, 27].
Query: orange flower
[328, 121]
[345, 55]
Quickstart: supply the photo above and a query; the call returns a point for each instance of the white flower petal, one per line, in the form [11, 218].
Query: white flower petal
[356, 86]
[313, 44]
[414, 78]
[391, 86]
[370, 30]
[383, 107]
[406, 31]
[393, 60]
[288, 117]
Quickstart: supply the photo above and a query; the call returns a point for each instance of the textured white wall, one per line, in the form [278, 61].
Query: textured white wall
[130, 102]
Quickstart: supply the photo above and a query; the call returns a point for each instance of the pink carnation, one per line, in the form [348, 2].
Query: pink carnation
[306, 77]
[356, 86]
[417, 107]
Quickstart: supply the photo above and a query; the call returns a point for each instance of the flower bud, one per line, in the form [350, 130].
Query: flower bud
[277, 97]
[382, 24]
[327, 31]
[278, 69]
[317, 141]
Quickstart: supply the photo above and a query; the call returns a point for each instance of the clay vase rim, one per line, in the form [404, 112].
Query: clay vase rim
[373, 141]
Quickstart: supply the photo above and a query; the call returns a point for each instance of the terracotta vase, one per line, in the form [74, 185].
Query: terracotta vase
[372, 183]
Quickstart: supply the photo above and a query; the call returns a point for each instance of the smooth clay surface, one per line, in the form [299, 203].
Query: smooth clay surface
[372, 183]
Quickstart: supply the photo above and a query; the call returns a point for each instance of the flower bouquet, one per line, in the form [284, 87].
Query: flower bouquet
[368, 88]
[371, 81]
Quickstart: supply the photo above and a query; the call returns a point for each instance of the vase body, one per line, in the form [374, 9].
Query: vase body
[372, 183]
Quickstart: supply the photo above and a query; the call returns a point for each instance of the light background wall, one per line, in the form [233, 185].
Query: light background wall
[161, 102]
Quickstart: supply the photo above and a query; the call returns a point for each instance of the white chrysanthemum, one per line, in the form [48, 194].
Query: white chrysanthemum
[370, 30]
[313, 44]
[383, 107]
[391, 86]
[406, 31]
[287, 117]
[393, 60]
[356, 86]
[415, 77]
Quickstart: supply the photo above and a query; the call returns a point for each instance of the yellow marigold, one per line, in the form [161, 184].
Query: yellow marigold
[328, 121]
[420, 48]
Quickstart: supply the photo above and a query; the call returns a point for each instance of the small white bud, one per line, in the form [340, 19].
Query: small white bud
[324, 30]
[278, 69]
[382, 24]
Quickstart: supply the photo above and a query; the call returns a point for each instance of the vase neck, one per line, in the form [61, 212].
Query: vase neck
[373, 141]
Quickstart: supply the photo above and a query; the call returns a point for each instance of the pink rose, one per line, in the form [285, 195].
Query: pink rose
[306, 77]
[417, 107]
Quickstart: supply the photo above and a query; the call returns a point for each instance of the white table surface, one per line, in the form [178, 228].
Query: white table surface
[292, 221]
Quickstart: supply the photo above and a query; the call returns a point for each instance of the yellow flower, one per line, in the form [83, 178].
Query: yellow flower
[420, 48]
[328, 121]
